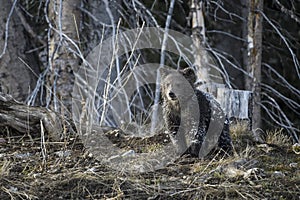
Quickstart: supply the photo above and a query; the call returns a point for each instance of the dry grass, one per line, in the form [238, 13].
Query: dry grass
[278, 137]
[239, 129]
[30, 170]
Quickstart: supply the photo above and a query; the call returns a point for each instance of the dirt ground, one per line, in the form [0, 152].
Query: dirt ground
[31, 168]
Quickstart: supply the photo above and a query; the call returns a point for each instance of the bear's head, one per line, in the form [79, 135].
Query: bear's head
[178, 84]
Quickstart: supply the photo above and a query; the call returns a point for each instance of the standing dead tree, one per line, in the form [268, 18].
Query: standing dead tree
[253, 81]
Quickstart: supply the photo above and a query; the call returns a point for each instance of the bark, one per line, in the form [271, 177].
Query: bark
[65, 17]
[16, 77]
[198, 35]
[253, 83]
[208, 77]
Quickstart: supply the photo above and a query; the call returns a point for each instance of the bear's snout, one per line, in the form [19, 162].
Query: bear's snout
[172, 95]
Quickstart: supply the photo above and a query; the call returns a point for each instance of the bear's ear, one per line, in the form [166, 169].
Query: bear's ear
[163, 72]
[189, 74]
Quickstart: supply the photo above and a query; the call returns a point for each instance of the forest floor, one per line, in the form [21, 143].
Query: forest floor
[35, 169]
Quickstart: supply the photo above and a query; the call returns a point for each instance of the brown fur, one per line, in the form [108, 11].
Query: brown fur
[181, 105]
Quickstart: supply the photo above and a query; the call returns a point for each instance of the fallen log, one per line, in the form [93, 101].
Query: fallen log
[28, 119]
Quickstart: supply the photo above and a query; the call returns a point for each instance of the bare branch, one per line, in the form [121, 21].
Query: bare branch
[7, 27]
[288, 12]
[295, 59]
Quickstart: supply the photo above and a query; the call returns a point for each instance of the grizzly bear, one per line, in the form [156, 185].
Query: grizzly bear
[192, 116]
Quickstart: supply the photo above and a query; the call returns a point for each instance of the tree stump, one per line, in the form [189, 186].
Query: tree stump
[237, 104]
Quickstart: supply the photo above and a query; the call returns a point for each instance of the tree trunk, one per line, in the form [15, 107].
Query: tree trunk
[208, 75]
[253, 82]
[17, 66]
[64, 31]
[198, 35]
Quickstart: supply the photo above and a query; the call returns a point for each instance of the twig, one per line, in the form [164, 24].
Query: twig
[6, 28]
